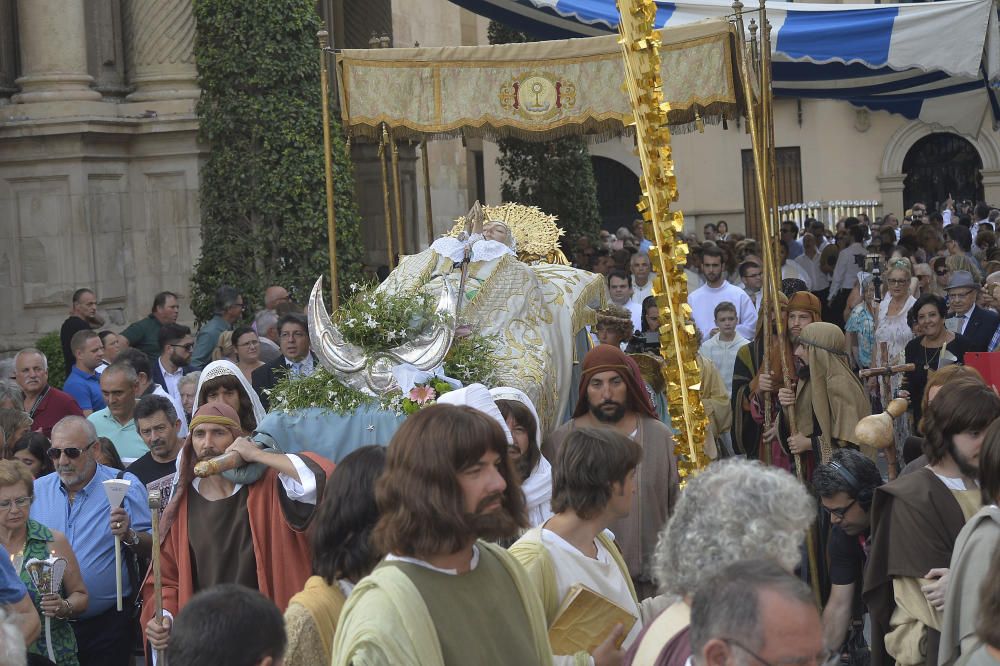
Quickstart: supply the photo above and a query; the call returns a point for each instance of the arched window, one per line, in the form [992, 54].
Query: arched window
[618, 192]
[942, 164]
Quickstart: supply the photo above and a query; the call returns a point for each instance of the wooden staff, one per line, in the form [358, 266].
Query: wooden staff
[427, 191]
[762, 138]
[765, 452]
[397, 198]
[154, 510]
[885, 371]
[382, 146]
[331, 219]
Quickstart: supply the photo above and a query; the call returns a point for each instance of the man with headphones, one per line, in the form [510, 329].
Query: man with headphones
[845, 486]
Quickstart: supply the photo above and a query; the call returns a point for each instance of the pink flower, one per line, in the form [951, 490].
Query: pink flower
[422, 394]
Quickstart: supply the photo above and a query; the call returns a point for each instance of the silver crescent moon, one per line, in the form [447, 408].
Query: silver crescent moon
[373, 374]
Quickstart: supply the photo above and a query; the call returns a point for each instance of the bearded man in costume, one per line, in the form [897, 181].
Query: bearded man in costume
[803, 309]
[747, 430]
[612, 396]
[217, 531]
[915, 522]
[829, 399]
[444, 595]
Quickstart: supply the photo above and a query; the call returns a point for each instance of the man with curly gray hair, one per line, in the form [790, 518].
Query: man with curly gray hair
[735, 510]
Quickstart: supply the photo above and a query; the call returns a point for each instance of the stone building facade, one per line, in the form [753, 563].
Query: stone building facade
[99, 151]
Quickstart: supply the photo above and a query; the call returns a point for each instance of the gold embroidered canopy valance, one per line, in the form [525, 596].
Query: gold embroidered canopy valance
[537, 90]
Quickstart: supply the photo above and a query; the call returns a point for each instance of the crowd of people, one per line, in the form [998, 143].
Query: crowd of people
[474, 537]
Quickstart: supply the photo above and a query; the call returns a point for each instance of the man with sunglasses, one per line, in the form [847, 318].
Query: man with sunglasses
[176, 348]
[845, 486]
[72, 500]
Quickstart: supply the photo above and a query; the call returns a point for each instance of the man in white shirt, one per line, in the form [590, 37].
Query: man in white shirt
[790, 270]
[845, 273]
[176, 346]
[642, 277]
[621, 295]
[593, 485]
[716, 290]
[808, 261]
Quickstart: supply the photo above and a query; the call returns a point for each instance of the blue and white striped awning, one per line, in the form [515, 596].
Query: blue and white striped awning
[937, 62]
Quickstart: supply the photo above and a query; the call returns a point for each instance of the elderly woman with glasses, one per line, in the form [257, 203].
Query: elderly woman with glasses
[247, 350]
[26, 539]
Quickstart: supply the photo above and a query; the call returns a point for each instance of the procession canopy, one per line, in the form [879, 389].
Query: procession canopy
[536, 91]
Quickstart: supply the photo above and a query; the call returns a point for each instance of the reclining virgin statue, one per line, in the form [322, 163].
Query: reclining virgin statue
[498, 273]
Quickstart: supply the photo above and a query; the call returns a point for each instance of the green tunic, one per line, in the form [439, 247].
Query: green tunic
[479, 616]
[38, 546]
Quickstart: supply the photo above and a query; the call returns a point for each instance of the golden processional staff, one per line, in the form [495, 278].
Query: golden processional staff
[760, 121]
[678, 344]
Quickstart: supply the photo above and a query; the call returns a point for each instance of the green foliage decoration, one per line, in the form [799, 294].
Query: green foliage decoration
[50, 345]
[263, 197]
[472, 359]
[557, 176]
[378, 320]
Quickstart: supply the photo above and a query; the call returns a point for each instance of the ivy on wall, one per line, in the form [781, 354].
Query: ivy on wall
[557, 176]
[263, 197]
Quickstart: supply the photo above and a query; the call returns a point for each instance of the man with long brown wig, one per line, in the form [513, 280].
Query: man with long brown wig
[444, 595]
[915, 522]
[217, 531]
[611, 396]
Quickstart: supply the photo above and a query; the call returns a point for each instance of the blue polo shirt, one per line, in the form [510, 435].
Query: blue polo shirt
[87, 524]
[12, 590]
[85, 389]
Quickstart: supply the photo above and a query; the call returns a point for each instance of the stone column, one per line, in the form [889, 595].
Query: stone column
[53, 52]
[161, 50]
[891, 188]
[105, 48]
[8, 48]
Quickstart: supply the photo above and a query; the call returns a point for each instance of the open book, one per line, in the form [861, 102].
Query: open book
[584, 621]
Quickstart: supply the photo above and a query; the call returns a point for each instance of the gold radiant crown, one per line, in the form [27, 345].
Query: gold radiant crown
[536, 233]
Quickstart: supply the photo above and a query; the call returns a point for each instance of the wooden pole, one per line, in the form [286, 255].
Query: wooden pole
[331, 218]
[382, 146]
[154, 510]
[761, 137]
[427, 191]
[400, 227]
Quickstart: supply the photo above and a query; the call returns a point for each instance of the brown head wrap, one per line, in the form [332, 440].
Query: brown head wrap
[603, 358]
[805, 301]
[210, 412]
[217, 412]
[834, 394]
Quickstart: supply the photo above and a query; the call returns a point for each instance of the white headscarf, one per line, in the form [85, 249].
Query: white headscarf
[478, 397]
[221, 369]
[538, 486]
